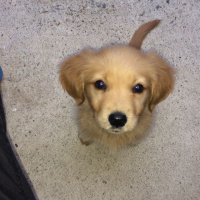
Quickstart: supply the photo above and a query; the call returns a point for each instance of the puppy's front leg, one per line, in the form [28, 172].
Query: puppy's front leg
[84, 140]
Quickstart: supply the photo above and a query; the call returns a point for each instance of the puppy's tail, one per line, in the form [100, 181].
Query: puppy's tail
[141, 33]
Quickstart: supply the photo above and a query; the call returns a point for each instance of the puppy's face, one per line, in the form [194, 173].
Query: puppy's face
[117, 89]
[119, 83]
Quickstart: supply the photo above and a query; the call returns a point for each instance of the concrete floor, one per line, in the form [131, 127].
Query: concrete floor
[36, 35]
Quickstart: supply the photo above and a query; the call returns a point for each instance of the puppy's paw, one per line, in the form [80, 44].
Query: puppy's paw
[85, 142]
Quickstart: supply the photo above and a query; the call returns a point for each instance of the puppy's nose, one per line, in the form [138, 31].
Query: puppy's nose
[117, 119]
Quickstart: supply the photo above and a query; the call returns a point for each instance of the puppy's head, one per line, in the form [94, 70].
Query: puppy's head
[119, 83]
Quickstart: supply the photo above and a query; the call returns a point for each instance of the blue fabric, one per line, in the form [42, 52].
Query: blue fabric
[1, 74]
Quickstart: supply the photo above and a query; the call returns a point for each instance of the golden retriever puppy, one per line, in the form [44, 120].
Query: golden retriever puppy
[116, 90]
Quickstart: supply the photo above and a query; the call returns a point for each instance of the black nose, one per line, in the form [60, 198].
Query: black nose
[117, 119]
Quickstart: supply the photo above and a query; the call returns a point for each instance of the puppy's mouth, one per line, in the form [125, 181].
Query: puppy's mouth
[116, 131]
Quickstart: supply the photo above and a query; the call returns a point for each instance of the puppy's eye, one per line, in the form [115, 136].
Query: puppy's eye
[138, 88]
[100, 85]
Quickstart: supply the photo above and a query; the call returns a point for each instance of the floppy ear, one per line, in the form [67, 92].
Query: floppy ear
[163, 82]
[72, 74]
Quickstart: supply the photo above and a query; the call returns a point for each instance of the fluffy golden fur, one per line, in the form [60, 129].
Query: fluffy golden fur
[116, 90]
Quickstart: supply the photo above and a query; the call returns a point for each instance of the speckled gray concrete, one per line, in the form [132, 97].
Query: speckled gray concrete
[36, 35]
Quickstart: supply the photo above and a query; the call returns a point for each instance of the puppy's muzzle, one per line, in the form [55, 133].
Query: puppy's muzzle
[117, 119]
